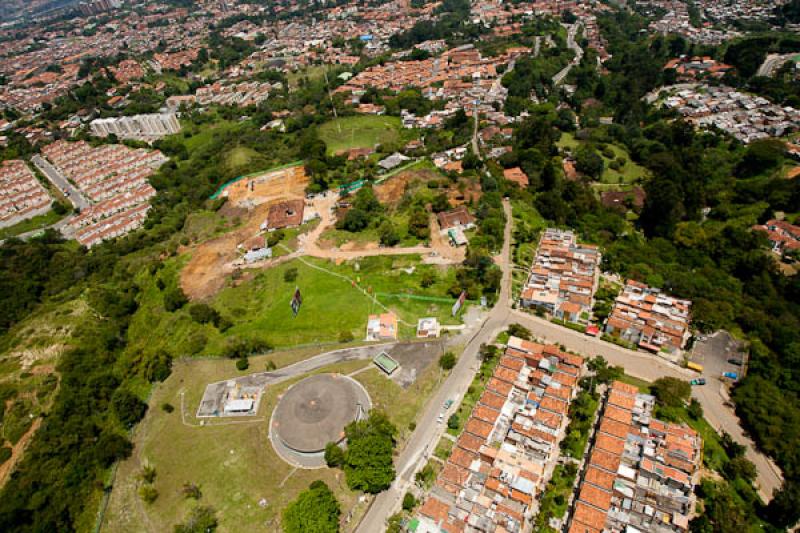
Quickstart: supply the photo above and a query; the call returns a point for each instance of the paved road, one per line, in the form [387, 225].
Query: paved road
[59, 180]
[571, 32]
[424, 439]
[641, 365]
[772, 63]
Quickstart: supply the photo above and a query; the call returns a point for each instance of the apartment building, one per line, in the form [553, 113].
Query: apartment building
[650, 319]
[114, 179]
[140, 127]
[506, 454]
[641, 472]
[21, 194]
[563, 278]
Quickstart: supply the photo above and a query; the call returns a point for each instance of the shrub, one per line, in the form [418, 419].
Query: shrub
[148, 493]
[346, 336]
[167, 407]
[201, 519]
[203, 313]
[191, 490]
[5, 454]
[174, 299]
[242, 364]
[128, 407]
[290, 275]
[447, 361]
[148, 474]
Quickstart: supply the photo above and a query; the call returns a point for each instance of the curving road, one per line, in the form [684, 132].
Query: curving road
[571, 32]
[641, 365]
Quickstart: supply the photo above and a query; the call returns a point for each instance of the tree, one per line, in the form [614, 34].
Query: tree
[409, 502]
[242, 364]
[784, 508]
[447, 361]
[671, 392]
[452, 421]
[589, 162]
[388, 233]
[739, 467]
[440, 203]
[334, 455]
[314, 511]
[368, 463]
[128, 407]
[201, 519]
[174, 299]
[471, 161]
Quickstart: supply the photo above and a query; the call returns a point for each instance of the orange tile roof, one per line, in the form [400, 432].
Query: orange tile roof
[617, 429]
[501, 387]
[590, 516]
[470, 442]
[604, 460]
[625, 388]
[620, 415]
[486, 414]
[492, 399]
[462, 457]
[621, 400]
[610, 444]
[479, 428]
[599, 477]
[596, 497]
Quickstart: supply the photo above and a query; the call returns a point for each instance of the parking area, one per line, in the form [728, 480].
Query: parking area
[719, 353]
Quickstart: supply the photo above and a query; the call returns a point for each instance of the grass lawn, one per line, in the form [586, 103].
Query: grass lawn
[363, 131]
[232, 460]
[312, 73]
[630, 173]
[240, 156]
[233, 463]
[31, 224]
[258, 305]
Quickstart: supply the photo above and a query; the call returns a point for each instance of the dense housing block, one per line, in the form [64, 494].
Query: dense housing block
[640, 473]
[504, 457]
[563, 278]
[21, 194]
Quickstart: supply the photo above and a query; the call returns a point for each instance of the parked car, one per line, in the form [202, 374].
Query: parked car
[730, 375]
[447, 404]
[698, 381]
[440, 419]
[737, 362]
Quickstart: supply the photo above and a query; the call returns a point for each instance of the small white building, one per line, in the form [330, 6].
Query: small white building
[428, 328]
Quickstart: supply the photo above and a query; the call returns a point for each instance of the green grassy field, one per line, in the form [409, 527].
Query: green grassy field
[259, 305]
[363, 131]
[37, 222]
[630, 173]
[234, 463]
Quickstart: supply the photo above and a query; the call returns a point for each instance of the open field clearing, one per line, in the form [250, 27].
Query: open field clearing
[363, 131]
[630, 173]
[232, 460]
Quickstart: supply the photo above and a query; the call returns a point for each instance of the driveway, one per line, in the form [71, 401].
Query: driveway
[59, 180]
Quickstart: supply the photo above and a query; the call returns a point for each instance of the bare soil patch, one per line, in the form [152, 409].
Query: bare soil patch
[248, 199]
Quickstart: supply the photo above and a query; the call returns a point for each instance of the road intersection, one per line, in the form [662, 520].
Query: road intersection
[648, 367]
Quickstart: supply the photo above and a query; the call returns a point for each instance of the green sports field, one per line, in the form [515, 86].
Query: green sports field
[363, 131]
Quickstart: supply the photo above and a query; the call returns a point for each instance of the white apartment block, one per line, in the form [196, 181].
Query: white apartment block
[140, 127]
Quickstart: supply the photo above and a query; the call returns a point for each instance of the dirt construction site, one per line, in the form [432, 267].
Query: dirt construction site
[206, 271]
[251, 197]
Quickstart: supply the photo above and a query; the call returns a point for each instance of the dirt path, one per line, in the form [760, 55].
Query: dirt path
[17, 451]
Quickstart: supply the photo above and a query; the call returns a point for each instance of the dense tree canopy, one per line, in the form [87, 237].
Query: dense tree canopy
[314, 511]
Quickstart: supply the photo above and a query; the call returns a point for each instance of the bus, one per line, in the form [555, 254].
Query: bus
[694, 366]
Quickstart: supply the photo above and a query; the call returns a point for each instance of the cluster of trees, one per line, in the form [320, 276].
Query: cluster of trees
[315, 510]
[452, 24]
[367, 461]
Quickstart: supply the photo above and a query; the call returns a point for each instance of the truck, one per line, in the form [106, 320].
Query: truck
[730, 375]
[694, 366]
